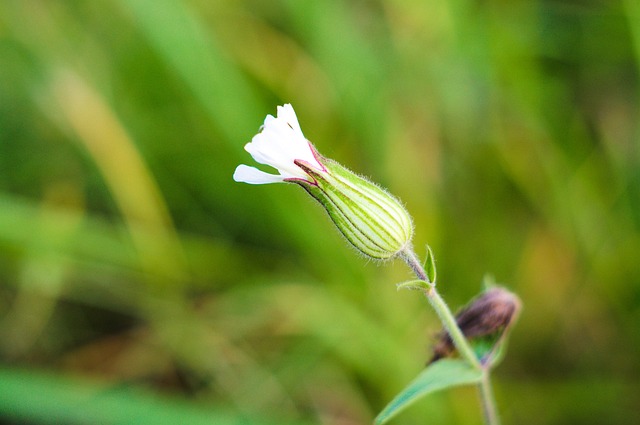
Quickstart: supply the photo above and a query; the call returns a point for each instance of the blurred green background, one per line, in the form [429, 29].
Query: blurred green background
[140, 284]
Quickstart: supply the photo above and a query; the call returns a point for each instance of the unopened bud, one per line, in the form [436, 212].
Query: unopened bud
[368, 216]
[484, 322]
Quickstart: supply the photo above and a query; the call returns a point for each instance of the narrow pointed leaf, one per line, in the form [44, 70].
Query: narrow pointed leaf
[445, 373]
[415, 285]
[430, 265]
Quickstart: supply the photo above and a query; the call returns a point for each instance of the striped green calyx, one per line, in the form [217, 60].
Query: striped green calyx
[371, 219]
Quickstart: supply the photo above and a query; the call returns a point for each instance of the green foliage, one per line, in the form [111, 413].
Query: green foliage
[430, 265]
[415, 285]
[129, 257]
[49, 399]
[440, 375]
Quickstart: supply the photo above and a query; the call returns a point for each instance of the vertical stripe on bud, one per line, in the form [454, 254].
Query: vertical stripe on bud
[368, 216]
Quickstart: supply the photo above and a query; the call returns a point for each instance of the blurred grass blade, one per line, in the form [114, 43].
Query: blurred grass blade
[440, 375]
[125, 172]
[359, 64]
[632, 10]
[96, 242]
[182, 40]
[39, 397]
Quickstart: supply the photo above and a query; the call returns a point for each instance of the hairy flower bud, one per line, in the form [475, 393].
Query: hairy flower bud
[368, 216]
[372, 220]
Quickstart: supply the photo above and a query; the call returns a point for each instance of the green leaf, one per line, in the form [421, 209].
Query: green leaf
[415, 285]
[437, 376]
[430, 265]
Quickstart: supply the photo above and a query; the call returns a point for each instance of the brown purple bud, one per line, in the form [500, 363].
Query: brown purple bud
[484, 322]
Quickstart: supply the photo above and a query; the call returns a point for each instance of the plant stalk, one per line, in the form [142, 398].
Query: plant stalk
[443, 311]
[412, 261]
[449, 322]
[488, 401]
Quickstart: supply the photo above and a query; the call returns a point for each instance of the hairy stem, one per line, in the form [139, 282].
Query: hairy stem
[449, 322]
[460, 342]
[412, 260]
[488, 401]
[443, 311]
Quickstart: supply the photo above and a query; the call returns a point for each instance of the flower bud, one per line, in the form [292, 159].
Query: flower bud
[372, 220]
[484, 322]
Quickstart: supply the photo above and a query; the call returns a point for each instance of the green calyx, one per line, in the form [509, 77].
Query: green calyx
[371, 219]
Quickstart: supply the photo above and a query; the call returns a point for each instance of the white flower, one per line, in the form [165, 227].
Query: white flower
[372, 220]
[279, 144]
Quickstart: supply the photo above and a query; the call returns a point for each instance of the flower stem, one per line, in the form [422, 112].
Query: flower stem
[443, 311]
[411, 259]
[488, 401]
[449, 322]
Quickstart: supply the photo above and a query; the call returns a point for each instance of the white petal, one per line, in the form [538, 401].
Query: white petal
[252, 175]
[279, 144]
[286, 113]
[275, 152]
